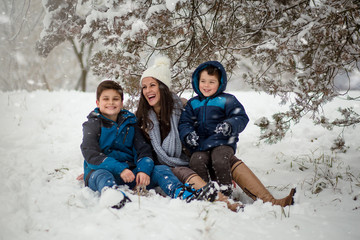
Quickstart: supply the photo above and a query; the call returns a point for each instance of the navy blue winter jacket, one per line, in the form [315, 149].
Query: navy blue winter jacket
[202, 114]
[114, 146]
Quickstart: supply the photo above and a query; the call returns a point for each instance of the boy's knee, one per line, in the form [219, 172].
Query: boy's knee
[200, 157]
[161, 168]
[223, 149]
[101, 178]
[222, 154]
[101, 173]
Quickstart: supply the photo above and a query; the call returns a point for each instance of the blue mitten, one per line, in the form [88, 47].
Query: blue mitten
[224, 128]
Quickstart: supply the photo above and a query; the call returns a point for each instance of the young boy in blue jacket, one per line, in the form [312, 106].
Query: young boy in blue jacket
[116, 152]
[210, 124]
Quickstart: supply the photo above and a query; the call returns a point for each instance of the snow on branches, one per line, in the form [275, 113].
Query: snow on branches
[294, 46]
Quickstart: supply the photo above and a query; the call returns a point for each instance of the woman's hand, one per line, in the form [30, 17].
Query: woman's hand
[142, 179]
[127, 176]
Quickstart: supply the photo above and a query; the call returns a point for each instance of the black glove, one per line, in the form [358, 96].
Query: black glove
[191, 139]
[224, 128]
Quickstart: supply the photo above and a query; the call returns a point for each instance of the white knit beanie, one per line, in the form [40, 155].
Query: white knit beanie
[160, 70]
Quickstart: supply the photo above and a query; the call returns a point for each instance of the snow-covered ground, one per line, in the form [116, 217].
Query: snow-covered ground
[40, 197]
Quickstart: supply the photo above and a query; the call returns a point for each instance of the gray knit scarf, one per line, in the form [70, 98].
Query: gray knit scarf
[169, 152]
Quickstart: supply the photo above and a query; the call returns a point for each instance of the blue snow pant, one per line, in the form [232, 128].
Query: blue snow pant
[161, 176]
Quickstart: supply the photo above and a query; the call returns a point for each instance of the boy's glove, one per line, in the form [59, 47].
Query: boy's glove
[191, 139]
[224, 128]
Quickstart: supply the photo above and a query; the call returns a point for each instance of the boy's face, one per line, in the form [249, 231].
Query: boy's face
[208, 84]
[110, 103]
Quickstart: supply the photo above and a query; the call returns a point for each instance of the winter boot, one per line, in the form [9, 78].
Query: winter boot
[186, 192]
[210, 191]
[196, 181]
[252, 186]
[113, 197]
[226, 189]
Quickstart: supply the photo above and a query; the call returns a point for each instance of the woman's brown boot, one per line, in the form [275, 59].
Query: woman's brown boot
[252, 186]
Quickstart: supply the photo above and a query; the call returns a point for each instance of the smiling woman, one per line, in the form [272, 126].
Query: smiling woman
[151, 91]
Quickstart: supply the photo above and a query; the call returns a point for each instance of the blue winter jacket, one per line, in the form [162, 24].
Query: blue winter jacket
[114, 146]
[202, 114]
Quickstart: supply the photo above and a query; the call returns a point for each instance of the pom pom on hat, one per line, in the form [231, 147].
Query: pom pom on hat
[160, 70]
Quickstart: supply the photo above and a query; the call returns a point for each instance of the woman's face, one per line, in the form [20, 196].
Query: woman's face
[151, 91]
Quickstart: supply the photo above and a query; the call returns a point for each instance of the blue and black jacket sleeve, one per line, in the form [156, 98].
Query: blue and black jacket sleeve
[144, 161]
[187, 122]
[236, 115]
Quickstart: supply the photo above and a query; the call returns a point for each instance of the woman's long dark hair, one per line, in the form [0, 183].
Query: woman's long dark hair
[166, 109]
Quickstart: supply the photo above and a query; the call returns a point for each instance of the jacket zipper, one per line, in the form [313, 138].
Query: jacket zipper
[126, 133]
[118, 127]
[203, 120]
[204, 115]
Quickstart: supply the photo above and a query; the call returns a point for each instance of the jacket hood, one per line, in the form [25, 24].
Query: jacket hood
[196, 75]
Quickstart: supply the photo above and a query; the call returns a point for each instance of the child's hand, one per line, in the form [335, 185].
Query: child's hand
[224, 128]
[191, 139]
[80, 177]
[127, 176]
[142, 179]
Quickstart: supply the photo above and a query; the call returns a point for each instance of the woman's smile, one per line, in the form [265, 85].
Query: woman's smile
[151, 91]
